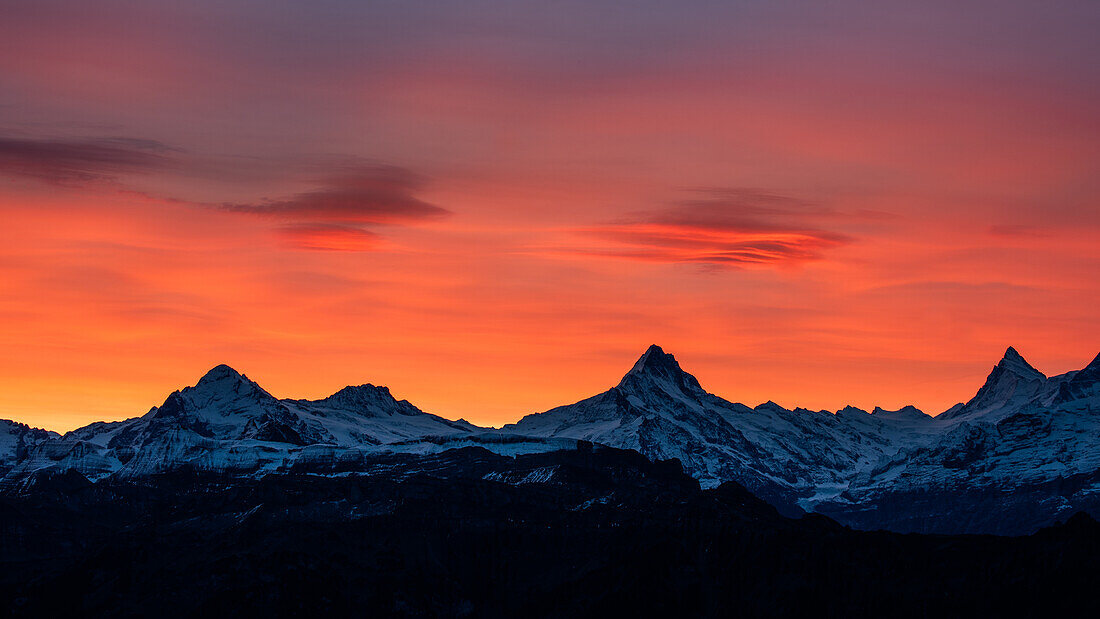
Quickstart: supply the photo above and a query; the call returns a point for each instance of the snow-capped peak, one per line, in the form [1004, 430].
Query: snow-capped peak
[223, 383]
[366, 399]
[221, 375]
[1014, 362]
[1012, 383]
[655, 361]
[656, 368]
[770, 407]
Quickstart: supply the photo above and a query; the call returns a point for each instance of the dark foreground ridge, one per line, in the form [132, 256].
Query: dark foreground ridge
[588, 532]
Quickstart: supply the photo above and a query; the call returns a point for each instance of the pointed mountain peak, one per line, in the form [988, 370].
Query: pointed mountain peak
[1015, 362]
[771, 406]
[655, 361]
[1012, 383]
[654, 367]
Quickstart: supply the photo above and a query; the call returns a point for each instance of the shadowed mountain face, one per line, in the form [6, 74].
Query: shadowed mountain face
[1078, 386]
[16, 439]
[1021, 454]
[586, 532]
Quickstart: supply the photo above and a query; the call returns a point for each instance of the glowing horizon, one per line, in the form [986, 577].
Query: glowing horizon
[515, 417]
[494, 209]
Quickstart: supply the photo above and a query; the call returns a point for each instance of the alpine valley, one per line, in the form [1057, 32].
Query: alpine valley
[1022, 454]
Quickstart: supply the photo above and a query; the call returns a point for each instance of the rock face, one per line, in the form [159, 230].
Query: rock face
[16, 440]
[1023, 453]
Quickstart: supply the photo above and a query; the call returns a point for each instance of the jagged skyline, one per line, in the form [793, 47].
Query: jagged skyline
[653, 360]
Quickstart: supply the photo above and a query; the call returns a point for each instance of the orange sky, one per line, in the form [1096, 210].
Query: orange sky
[494, 211]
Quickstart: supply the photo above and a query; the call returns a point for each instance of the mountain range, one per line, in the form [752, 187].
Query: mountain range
[1023, 453]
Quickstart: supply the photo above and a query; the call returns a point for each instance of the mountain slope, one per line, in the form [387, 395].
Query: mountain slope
[227, 422]
[16, 439]
[1024, 452]
[663, 412]
[1011, 384]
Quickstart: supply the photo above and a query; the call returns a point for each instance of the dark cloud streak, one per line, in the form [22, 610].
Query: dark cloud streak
[368, 194]
[336, 216]
[78, 161]
[351, 197]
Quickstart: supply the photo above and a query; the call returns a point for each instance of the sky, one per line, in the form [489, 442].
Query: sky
[494, 207]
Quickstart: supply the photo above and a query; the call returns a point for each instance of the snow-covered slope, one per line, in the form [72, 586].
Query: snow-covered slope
[1025, 445]
[16, 439]
[228, 422]
[1022, 453]
[1012, 384]
[663, 412]
[369, 415]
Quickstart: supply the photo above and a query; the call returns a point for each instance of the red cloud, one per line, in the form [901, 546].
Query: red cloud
[726, 228]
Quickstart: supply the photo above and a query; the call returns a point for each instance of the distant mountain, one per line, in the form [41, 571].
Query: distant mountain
[16, 439]
[1011, 384]
[227, 422]
[1021, 454]
[786, 456]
